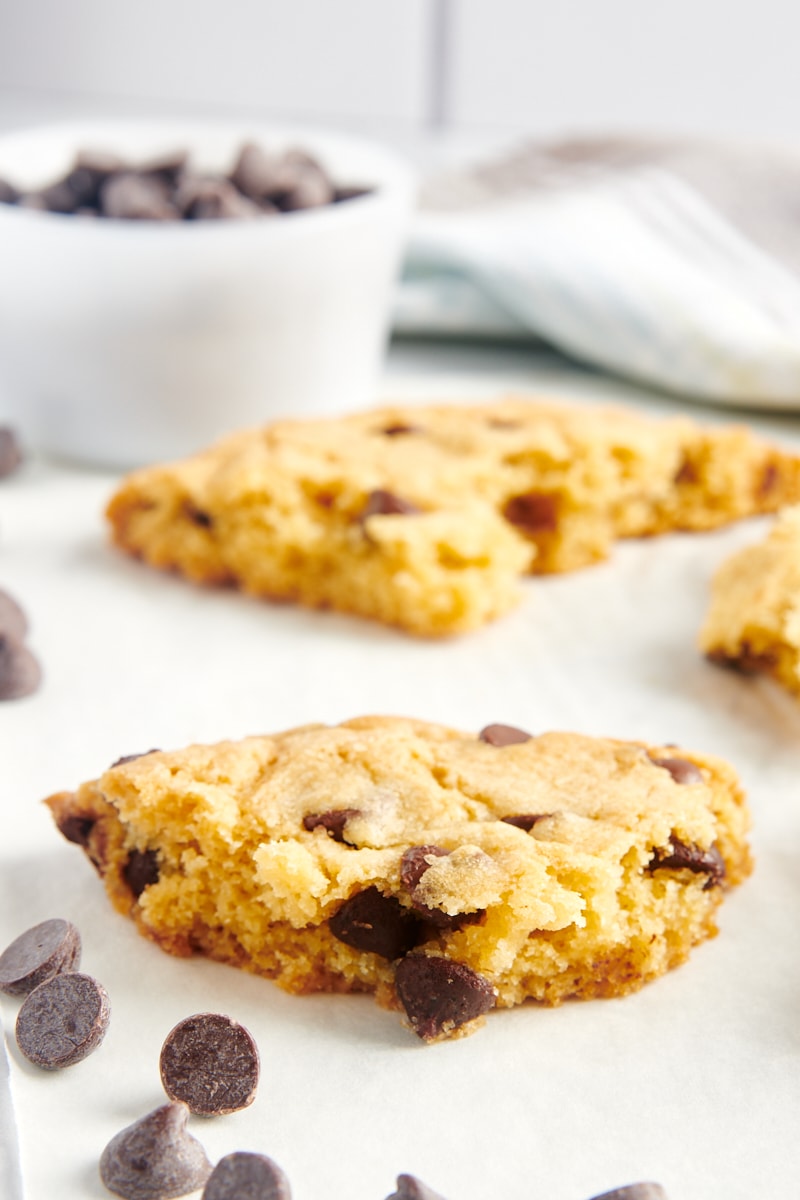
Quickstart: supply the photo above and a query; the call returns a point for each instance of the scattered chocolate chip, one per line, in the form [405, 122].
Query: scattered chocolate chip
[309, 188]
[126, 758]
[376, 923]
[13, 622]
[246, 1176]
[77, 829]
[534, 512]
[20, 673]
[411, 1188]
[255, 173]
[681, 770]
[440, 995]
[692, 858]
[37, 954]
[141, 870]
[503, 735]
[524, 821]
[213, 200]
[635, 1191]
[63, 1020]
[398, 429]
[381, 503]
[210, 1063]
[155, 1158]
[333, 822]
[10, 452]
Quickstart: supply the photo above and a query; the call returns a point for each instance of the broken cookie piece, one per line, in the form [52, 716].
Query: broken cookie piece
[753, 621]
[467, 872]
[428, 517]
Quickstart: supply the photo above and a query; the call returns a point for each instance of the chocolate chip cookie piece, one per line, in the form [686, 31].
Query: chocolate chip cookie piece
[753, 620]
[447, 872]
[428, 517]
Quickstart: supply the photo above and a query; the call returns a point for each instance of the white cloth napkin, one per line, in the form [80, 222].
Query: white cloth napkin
[673, 265]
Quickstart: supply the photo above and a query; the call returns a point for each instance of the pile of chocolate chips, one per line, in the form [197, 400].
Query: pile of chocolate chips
[259, 184]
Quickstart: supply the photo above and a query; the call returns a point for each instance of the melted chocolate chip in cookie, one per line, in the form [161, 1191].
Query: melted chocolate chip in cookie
[503, 735]
[376, 923]
[682, 855]
[681, 770]
[334, 822]
[534, 512]
[141, 870]
[413, 866]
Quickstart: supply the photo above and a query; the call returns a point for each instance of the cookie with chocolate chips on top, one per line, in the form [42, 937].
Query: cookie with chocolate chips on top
[449, 873]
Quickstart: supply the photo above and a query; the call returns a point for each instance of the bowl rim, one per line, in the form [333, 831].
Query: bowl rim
[395, 182]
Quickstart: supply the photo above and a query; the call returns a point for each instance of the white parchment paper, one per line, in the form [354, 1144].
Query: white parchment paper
[692, 1082]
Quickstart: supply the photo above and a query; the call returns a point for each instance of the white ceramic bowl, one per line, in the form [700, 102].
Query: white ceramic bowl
[125, 342]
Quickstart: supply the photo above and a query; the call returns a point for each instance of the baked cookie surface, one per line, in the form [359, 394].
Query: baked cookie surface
[446, 872]
[427, 517]
[753, 621]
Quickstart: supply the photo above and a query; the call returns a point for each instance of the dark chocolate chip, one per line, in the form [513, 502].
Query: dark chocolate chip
[524, 821]
[686, 473]
[155, 1158]
[8, 193]
[39, 953]
[213, 200]
[770, 478]
[681, 770]
[683, 855]
[413, 865]
[10, 452]
[376, 923]
[126, 758]
[198, 516]
[440, 995]
[381, 503]
[246, 1176]
[63, 1020]
[13, 622]
[141, 870]
[534, 512]
[333, 821]
[309, 188]
[133, 197]
[411, 1188]
[255, 173]
[59, 197]
[635, 1191]
[210, 1063]
[77, 829]
[349, 192]
[20, 673]
[503, 735]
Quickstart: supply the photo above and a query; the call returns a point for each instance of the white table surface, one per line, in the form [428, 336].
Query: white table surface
[692, 1082]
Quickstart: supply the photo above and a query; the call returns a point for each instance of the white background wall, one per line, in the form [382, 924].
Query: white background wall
[409, 66]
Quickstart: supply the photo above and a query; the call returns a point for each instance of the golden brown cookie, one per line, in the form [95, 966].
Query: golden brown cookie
[427, 517]
[446, 872]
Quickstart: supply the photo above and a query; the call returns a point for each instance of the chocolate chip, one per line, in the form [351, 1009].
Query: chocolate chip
[10, 452]
[37, 954]
[254, 172]
[20, 673]
[534, 512]
[13, 622]
[310, 188]
[155, 1158]
[141, 870]
[686, 473]
[214, 200]
[413, 865]
[747, 661]
[8, 193]
[77, 829]
[770, 477]
[690, 857]
[398, 429]
[246, 1176]
[349, 192]
[411, 1188]
[503, 735]
[210, 1062]
[126, 758]
[376, 923]
[381, 503]
[130, 196]
[197, 516]
[63, 1020]
[635, 1191]
[681, 770]
[524, 821]
[440, 995]
[333, 821]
